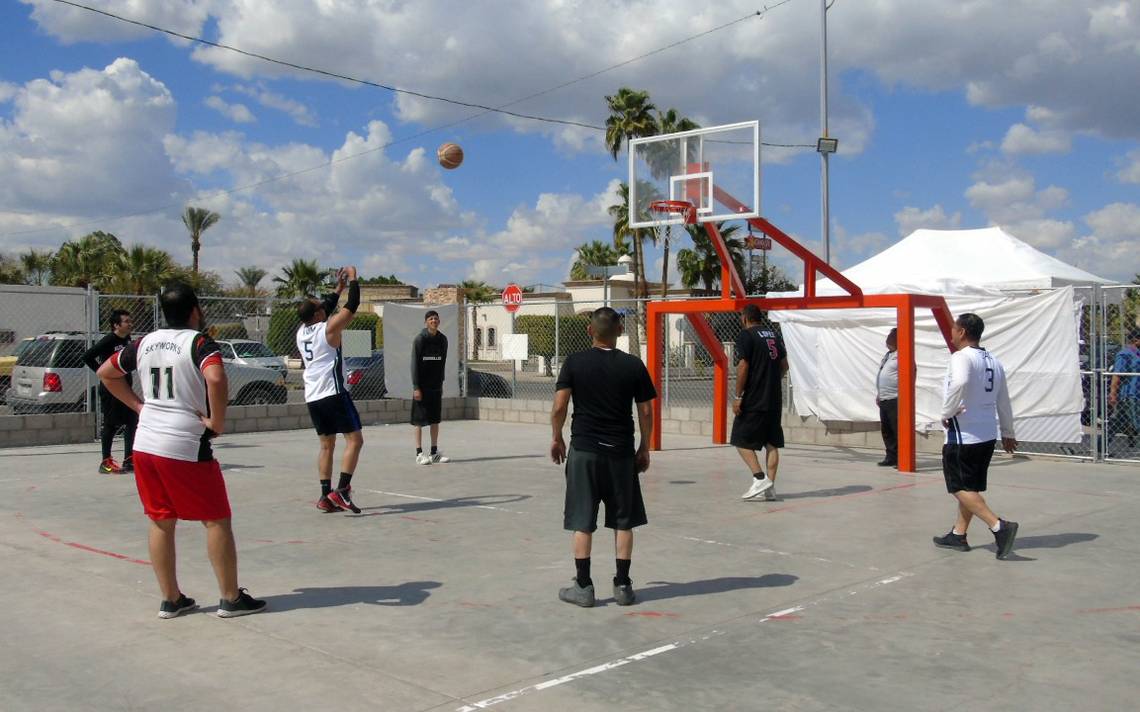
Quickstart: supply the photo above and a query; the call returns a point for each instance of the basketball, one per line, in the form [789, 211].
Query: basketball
[450, 155]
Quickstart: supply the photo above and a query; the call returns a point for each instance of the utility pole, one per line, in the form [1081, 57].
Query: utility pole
[825, 179]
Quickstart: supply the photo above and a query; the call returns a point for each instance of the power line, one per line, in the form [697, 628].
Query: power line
[344, 77]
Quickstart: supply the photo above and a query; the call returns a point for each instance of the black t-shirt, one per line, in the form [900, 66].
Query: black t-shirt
[429, 359]
[102, 350]
[764, 350]
[604, 385]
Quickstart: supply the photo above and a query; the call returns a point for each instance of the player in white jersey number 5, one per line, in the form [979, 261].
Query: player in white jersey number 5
[185, 387]
[330, 406]
[975, 404]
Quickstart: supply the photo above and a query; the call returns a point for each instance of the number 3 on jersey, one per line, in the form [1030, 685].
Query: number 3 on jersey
[156, 379]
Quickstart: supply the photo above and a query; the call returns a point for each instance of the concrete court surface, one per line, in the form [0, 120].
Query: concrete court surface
[442, 594]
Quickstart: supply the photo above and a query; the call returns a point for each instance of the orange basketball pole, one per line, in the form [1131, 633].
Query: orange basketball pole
[906, 435]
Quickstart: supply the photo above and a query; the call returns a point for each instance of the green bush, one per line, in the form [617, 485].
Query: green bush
[367, 321]
[282, 337]
[540, 334]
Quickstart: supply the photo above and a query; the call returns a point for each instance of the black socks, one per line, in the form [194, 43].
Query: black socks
[758, 475]
[583, 567]
[434, 450]
[622, 576]
[419, 451]
[345, 480]
[326, 487]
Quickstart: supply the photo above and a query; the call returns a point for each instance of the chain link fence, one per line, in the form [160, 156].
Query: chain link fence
[1117, 362]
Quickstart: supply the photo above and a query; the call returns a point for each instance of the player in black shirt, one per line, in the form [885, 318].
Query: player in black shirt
[115, 414]
[758, 400]
[602, 464]
[429, 362]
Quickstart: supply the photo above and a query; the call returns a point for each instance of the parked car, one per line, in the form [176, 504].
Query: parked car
[8, 363]
[50, 377]
[364, 376]
[251, 353]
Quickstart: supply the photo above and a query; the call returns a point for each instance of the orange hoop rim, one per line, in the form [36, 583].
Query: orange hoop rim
[682, 208]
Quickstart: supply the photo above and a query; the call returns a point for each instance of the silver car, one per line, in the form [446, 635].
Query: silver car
[251, 353]
[50, 376]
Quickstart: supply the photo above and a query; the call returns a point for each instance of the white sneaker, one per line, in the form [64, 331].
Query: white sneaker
[758, 487]
[440, 457]
[423, 459]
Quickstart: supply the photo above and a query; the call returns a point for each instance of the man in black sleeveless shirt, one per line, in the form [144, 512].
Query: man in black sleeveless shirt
[602, 464]
[758, 400]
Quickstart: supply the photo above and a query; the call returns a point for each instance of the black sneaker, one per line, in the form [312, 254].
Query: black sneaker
[1004, 538]
[173, 609]
[128, 465]
[577, 595]
[243, 605]
[623, 594]
[888, 462]
[952, 541]
[343, 499]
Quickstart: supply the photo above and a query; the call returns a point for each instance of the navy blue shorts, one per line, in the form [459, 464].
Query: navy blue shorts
[334, 414]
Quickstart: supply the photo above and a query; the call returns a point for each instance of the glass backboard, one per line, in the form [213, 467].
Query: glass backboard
[716, 169]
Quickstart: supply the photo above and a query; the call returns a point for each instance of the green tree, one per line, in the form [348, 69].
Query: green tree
[36, 266]
[197, 221]
[141, 270]
[382, 280]
[701, 265]
[10, 272]
[631, 116]
[596, 254]
[250, 278]
[88, 261]
[299, 279]
[477, 292]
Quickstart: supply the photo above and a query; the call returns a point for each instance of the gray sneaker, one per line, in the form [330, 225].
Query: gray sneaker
[577, 595]
[770, 494]
[624, 595]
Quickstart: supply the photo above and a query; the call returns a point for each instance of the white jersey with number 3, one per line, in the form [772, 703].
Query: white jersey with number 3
[976, 398]
[324, 367]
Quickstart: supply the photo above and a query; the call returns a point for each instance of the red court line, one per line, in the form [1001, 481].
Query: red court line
[84, 547]
[829, 500]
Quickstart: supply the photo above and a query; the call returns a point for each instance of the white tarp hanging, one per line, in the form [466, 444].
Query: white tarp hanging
[401, 325]
[835, 354]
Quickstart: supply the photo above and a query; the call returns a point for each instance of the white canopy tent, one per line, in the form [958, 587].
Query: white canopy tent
[835, 354]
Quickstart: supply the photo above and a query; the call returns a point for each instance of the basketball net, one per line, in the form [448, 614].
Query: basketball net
[671, 211]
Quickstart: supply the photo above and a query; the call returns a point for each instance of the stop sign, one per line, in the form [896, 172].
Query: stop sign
[512, 297]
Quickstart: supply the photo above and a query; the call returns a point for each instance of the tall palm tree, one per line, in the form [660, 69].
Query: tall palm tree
[299, 278]
[197, 221]
[631, 116]
[477, 292]
[250, 279]
[670, 122]
[87, 261]
[37, 266]
[141, 270]
[701, 265]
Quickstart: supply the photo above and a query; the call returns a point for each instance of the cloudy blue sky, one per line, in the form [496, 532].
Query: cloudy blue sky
[950, 114]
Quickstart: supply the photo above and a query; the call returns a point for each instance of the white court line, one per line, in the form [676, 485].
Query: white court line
[645, 654]
[436, 499]
[765, 550]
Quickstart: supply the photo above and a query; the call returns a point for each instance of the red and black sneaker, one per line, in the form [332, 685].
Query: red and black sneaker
[110, 467]
[325, 505]
[343, 499]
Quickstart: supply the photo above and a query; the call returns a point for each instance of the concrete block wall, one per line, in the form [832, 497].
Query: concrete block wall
[54, 429]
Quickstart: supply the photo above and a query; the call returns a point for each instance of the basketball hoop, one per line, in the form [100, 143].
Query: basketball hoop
[669, 212]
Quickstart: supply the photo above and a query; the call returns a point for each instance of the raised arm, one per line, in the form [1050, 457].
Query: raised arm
[337, 322]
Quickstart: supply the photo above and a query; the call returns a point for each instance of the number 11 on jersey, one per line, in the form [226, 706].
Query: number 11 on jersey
[156, 379]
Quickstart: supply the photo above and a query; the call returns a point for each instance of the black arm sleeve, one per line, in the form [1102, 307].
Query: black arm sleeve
[329, 301]
[99, 352]
[353, 296]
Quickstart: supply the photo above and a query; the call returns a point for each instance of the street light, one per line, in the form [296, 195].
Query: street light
[827, 145]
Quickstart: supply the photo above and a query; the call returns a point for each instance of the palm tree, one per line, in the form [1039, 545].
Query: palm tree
[670, 122]
[250, 279]
[630, 117]
[701, 265]
[197, 221]
[141, 270]
[37, 266]
[88, 261]
[300, 278]
[477, 292]
[596, 254]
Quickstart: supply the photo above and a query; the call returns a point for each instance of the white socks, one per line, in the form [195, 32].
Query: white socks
[996, 528]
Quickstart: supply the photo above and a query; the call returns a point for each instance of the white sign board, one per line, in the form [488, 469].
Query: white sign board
[515, 347]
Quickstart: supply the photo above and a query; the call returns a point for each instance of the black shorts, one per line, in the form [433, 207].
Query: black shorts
[334, 414]
[428, 410]
[753, 429]
[592, 478]
[115, 412]
[966, 466]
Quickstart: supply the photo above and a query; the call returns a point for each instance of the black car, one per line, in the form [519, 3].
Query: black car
[364, 376]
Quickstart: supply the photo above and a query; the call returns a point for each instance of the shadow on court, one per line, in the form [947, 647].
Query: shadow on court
[1046, 541]
[660, 590]
[485, 500]
[411, 593]
[829, 492]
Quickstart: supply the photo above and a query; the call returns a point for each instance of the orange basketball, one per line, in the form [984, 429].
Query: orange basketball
[450, 155]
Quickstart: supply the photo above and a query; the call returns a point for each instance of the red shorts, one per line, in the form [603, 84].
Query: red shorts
[177, 489]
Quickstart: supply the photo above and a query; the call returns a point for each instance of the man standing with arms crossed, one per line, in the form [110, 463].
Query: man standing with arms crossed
[175, 470]
[976, 401]
[330, 406]
[758, 402]
[429, 369]
[601, 465]
[115, 413]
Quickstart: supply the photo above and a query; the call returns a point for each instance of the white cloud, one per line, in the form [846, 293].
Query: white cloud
[911, 218]
[238, 113]
[71, 24]
[1010, 198]
[1025, 140]
[1110, 249]
[297, 111]
[1130, 173]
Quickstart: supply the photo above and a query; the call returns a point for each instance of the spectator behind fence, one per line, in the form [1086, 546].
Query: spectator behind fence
[1124, 389]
